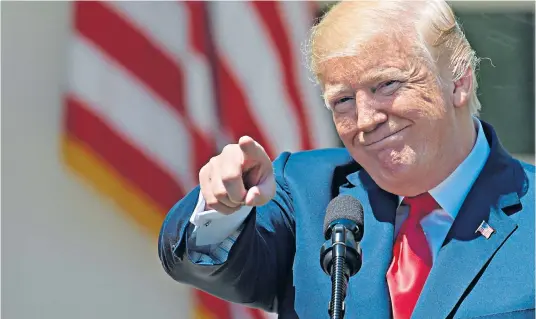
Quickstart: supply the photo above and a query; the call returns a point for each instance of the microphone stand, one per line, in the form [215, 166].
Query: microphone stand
[340, 257]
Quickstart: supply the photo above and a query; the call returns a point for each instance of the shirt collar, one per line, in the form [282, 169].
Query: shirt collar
[450, 194]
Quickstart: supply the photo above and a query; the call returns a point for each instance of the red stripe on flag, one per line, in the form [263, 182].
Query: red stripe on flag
[215, 306]
[198, 26]
[255, 313]
[132, 164]
[131, 49]
[269, 15]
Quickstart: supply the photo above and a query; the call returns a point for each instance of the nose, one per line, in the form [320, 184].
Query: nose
[368, 112]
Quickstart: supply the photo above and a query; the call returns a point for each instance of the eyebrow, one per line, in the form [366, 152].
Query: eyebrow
[335, 89]
[377, 75]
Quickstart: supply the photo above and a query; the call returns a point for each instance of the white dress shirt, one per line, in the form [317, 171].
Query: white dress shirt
[212, 227]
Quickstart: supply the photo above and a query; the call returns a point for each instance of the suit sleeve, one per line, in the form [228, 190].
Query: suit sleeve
[259, 263]
[214, 233]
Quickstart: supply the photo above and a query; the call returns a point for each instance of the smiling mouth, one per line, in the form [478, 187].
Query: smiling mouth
[385, 137]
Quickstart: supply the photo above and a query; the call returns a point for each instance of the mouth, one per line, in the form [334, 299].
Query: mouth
[391, 137]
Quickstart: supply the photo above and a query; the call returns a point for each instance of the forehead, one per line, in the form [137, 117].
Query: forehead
[381, 55]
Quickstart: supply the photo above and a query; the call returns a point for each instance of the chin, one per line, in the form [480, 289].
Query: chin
[393, 173]
[397, 161]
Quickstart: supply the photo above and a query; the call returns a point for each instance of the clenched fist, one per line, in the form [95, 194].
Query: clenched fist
[241, 175]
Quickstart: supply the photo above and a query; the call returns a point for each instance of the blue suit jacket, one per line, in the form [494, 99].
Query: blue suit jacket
[274, 264]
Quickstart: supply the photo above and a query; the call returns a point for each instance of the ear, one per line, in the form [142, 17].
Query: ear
[462, 89]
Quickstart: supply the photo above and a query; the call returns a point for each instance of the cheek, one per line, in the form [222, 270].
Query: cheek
[346, 126]
[420, 103]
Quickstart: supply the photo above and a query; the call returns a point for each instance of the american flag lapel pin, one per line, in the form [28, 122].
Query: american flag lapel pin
[485, 229]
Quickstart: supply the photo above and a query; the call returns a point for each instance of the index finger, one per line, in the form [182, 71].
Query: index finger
[252, 150]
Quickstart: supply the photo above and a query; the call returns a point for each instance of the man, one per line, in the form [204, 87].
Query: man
[449, 215]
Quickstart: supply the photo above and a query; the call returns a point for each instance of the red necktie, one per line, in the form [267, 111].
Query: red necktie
[412, 258]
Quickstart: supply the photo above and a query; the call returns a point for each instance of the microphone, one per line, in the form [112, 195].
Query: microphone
[340, 256]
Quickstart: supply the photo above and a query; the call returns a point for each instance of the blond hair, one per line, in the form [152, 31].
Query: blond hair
[438, 34]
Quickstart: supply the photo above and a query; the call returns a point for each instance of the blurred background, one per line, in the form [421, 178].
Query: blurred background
[110, 108]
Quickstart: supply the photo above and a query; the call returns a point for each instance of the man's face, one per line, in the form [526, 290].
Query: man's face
[390, 111]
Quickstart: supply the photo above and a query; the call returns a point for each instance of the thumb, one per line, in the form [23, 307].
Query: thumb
[261, 194]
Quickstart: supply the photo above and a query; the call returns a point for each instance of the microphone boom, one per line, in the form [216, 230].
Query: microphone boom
[340, 256]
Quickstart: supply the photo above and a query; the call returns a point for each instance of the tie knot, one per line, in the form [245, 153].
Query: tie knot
[421, 205]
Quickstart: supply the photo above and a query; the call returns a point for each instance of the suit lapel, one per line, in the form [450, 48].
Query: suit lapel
[371, 294]
[461, 260]
[466, 253]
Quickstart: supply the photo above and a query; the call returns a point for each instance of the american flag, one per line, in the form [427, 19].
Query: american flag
[485, 230]
[156, 88]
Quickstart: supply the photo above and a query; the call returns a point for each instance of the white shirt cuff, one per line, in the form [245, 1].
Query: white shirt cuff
[213, 227]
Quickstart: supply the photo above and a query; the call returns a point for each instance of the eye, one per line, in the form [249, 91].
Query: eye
[342, 100]
[388, 87]
[342, 104]
[389, 83]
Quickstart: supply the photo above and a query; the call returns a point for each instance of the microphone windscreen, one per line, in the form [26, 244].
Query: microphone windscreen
[344, 207]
